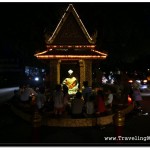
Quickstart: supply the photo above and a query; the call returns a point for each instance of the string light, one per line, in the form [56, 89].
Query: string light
[103, 55]
[70, 46]
[70, 57]
[43, 55]
[51, 39]
[82, 25]
[40, 53]
[99, 52]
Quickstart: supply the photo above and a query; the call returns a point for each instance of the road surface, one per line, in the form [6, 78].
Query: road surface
[7, 93]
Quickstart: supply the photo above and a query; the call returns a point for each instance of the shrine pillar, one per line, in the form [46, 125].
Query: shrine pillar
[85, 72]
[88, 71]
[58, 71]
[82, 72]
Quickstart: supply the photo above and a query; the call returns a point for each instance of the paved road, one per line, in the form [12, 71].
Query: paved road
[7, 93]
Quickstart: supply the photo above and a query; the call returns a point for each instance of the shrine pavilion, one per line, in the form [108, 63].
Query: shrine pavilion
[70, 47]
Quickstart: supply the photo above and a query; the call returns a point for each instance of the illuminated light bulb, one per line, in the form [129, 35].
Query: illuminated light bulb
[70, 71]
[145, 81]
[130, 81]
[36, 79]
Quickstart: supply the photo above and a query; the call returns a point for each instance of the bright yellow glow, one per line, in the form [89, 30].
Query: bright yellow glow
[70, 57]
[82, 24]
[70, 46]
[99, 52]
[58, 25]
[40, 53]
[129, 99]
[130, 81]
[62, 20]
[145, 81]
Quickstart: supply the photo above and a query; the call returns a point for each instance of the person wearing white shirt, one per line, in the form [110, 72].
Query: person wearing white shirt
[90, 109]
[109, 99]
[25, 95]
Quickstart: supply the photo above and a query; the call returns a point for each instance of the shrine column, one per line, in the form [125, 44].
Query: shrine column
[82, 72]
[54, 73]
[58, 71]
[88, 71]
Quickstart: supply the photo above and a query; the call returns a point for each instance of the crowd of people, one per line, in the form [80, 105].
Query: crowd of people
[84, 103]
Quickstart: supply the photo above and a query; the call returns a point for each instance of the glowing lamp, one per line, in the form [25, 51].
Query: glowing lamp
[129, 100]
[36, 79]
[138, 81]
[145, 81]
[130, 81]
[70, 71]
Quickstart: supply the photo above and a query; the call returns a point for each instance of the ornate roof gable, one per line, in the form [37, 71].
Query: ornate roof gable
[70, 30]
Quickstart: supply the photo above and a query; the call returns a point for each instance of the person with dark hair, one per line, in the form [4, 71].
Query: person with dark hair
[40, 98]
[58, 98]
[66, 96]
[77, 105]
[16, 97]
[27, 94]
[136, 94]
[86, 91]
[100, 102]
[109, 100]
[89, 105]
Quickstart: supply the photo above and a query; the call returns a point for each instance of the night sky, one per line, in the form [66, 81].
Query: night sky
[123, 29]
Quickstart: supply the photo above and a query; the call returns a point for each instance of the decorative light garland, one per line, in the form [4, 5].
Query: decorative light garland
[70, 57]
[70, 46]
[40, 53]
[99, 52]
[79, 21]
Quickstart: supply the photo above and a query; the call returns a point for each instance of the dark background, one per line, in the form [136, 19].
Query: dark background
[123, 30]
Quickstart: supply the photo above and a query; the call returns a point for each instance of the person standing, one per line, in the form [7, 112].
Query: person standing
[27, 94]
[109, 100]
[89, 105]
[136, 94]
[40, 98]
[86, 91]
[77, 105]
[66, 97]
[100, 102]
[58, 98]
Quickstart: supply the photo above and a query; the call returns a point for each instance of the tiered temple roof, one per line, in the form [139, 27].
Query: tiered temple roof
[70, 40]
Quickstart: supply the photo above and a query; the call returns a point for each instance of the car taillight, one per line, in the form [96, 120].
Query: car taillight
[130, 81]
[129, 100]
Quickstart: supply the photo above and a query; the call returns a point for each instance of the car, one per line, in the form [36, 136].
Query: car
[141, 79]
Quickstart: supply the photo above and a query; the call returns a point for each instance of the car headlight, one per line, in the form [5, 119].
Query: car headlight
[138, 81]
[36, 78]
[144, 81]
